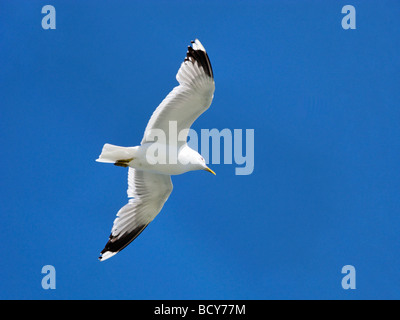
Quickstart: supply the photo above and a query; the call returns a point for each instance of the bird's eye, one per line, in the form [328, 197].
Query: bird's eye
[202, 159]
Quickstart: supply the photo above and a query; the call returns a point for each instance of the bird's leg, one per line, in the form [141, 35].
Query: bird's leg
[123, 163]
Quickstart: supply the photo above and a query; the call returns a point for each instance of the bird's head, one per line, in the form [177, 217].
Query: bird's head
[203, 165]
[194, 160]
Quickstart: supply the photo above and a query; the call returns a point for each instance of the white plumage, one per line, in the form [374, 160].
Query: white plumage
[149, 182]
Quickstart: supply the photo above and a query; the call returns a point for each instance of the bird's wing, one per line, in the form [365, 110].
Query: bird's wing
[147, 192]
[186, 102]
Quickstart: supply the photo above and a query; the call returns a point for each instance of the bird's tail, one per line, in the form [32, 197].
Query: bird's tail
[118, 155]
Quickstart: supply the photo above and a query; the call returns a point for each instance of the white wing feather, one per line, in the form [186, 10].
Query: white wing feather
[147, 192]
[186, 102]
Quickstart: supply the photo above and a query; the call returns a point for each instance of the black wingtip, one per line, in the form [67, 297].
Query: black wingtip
[202, 59]
[115, 243]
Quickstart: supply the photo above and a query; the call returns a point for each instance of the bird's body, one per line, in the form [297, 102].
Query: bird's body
[154, 157]
[163, 151]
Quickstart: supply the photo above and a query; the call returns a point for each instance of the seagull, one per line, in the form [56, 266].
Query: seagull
[149, 173]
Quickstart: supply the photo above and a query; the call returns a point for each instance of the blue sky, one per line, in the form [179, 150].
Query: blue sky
[324, 104]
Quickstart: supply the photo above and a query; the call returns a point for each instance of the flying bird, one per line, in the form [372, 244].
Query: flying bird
[149, 177]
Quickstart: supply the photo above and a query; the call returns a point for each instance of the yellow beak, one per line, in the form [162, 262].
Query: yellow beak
[209, 170]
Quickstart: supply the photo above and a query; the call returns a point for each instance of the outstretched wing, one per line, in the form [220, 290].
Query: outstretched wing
[186, 102]
[147, 192]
